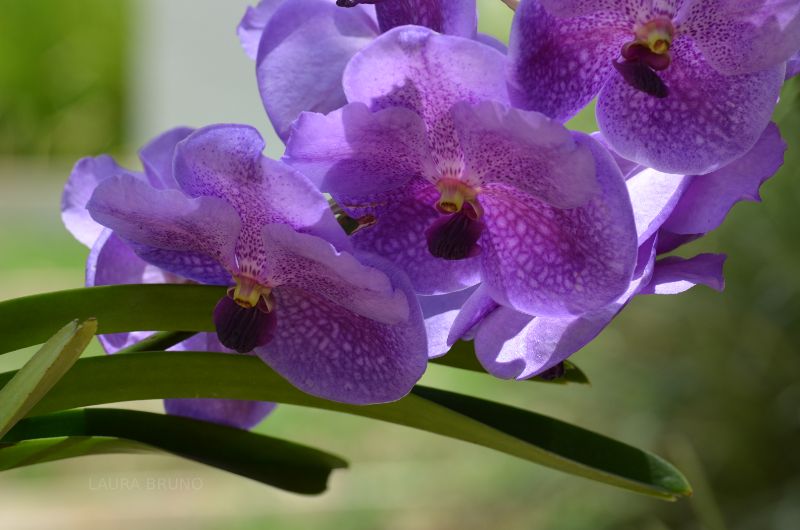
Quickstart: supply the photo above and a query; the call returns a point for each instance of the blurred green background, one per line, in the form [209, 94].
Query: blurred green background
[712, 381]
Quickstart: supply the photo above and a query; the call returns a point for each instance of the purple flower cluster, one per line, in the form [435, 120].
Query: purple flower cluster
[478, 215]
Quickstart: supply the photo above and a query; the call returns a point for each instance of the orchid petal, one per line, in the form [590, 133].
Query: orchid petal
[525, 151]
[547, 261]
[745, 36]
[353, 151]
[251, 27]
[654, 195]
[558, 65]
[399, 235]
[707, 121]
[709, 198]
[673, 275]
[113, 262]
[510, 344]
[291, 79]
[328, 351]
[454, 17]
[84, 178]
[194, 238]
[307, 262]
[239, 413]
[157, 157]
[225, 161]
[416, 68]
[440, 312]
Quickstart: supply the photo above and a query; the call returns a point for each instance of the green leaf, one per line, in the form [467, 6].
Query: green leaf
[42, 371]
[280, 463]
[161, 340]
[462, 355]
[517, 432]
[33, 319]
[180, 309]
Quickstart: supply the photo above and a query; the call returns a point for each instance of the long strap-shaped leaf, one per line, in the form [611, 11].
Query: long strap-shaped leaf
[513, 431]
[42, 371]
[170, 308]
[162, 307]
[280, 463]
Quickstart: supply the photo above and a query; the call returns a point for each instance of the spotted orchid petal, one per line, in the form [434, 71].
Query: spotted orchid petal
[745, 36]
[399, 235]
[328, 350]
[191, 237]
[416, 68]
[629, 9]
[225, 161]
[693, 103]
[525, 151]
[707, 121]
[513, 345]
[113, 262]
[303, 261]
[353, 151]
[556, 262]
[558, 65]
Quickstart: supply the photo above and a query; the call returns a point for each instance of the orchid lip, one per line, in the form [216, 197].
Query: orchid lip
[455, 236]
[647, 55]
[242, 328]
[641, 77]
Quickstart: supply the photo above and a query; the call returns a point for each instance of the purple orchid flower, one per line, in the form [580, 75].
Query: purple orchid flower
[684, 86]
[111, 261]
[510, 344]
[334, 327]
[301, 47]
[465, 188]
